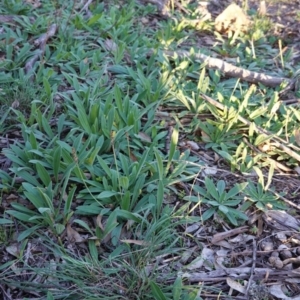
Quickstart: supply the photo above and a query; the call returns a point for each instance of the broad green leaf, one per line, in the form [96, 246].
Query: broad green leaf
[192, 199]
[33, 141]
[59, 228]
[142, 161]
[26, 233]
[223, 209]
[28, 177]
[60, 124]
[211, 188]
[19, 215]
[47, 87]
[208, 213]
[47, 128]
[107, 194]
[110, 119]
[239, 214]
[226, 155]
[48, 201]
[127, 215]
[160, 197]
[104, 166]
[157, 292]
[116, 234]
[5, 221]
[260, 176]
[93, 251]
[44, 210]
[138, 185]
[84, 225]
[177, 289]
[231, 218]
[92, 156]
[43, 174]
[68, 202]
[56, 162]
[260, 206]
[111, 224]
[23, 209]
[125, 201]
[124, 163]
[160, 166]
[93, 20]
[92, 209]
[221, 186]
[270, 175]
[235, 190]
[262, 138]
[49, 296]
[233, 202]
[33, 195]
[82, 117]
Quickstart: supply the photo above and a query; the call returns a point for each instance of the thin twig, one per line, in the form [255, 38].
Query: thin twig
[86, 6]
[286, 200]
[252, 268]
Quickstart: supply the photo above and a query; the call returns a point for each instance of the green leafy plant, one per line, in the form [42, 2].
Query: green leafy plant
[178, 292]
[90, 143]
[260, 195]
[219, 200]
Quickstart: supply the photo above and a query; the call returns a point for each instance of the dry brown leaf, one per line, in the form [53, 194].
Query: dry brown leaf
[262, 10]
[209, 258]
[297, 136]
[73, 235]
[34, 3]
[206, 258]
[193, 145]
[185, 256]
[129, 224]
[281, 220]
[297, 169]
[12, 197]
[196, 263]
[110, 45]
[209, 171]
[132, 157]
[205, 137]
[99, 222]
[192, 228]
[144, 137]
[276, 291]
[13, 249]
[15, 104]
[235, 285]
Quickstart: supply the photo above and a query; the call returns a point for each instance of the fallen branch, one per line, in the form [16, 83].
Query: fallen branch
[252, 268]
[243, 273]
[229, 69]
[41, 42]
[227, 234]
